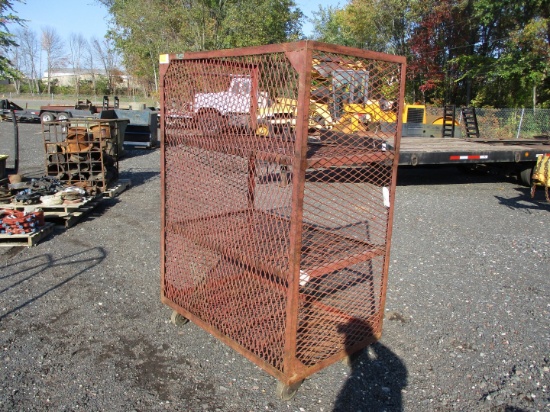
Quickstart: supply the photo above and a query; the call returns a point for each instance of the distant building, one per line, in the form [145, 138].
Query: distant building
[66, 76]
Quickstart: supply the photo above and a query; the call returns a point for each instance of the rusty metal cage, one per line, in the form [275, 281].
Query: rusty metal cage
[278, 176]
[83, 152]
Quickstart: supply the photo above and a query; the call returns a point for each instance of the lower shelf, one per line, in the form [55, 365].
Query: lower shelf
[251, 310]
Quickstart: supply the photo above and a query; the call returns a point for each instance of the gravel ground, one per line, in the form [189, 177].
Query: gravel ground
[467, 324]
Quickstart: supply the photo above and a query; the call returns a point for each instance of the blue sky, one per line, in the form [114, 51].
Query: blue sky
[90, 18]
[86, 17]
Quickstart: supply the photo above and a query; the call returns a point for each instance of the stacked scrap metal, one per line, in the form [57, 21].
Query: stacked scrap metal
[46, 190]
[82, 153]
[15, 222]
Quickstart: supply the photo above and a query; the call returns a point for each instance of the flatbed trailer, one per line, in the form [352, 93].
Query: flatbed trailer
[9, 108]
[52, 112]
[515, 156]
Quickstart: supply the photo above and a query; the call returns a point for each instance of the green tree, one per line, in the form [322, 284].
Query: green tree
[379, 25]
[439, 36]
[257, 22]
[143, 29]
[507, 57]
[7, 40]
[330, 25]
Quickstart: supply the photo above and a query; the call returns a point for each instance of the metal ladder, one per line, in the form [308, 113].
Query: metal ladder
[470, 122]
[448, 129]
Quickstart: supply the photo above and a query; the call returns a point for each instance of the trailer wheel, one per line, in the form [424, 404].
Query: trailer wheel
[47, 117]
[211, 123]
[63, 117]
[524, 176]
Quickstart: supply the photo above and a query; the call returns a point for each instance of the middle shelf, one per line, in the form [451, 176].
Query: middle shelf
[261, 240]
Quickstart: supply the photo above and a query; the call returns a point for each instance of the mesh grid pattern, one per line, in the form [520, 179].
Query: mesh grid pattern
[83, 152]
[278, 166]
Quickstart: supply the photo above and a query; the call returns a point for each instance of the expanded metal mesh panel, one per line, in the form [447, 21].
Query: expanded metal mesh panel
[278, 177]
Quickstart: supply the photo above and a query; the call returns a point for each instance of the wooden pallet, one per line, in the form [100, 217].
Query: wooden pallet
[29, 239]
[120, 186]
[69, 215]
[66, 215]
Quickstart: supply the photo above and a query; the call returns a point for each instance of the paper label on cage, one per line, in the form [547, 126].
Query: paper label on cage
[386, 195]
[304, 277]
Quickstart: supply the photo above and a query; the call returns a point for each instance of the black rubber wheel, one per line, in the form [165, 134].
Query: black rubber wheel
[178, 319]
[287, 392]
[211, 123]
[47, 117]
[63, 116]
[524, 176]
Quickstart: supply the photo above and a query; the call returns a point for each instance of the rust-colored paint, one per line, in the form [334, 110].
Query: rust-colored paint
[83, 152]
[279, 245]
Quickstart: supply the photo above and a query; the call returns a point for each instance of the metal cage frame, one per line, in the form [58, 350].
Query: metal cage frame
[290, 271]
[83, 152]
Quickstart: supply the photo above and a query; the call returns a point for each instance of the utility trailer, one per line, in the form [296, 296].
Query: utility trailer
[444, 142]
[52, 112]
[512, 156]
[82, 109]
[9, 109]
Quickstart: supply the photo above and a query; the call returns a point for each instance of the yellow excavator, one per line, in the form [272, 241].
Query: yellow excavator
[340, 102]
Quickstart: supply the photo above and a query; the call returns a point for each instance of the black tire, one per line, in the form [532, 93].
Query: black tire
[524, 176]
[178, 319]
[211, 123]
[47, 117]
[63, 116]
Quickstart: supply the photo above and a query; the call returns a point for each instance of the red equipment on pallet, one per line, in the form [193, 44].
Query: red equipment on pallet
[16, 222]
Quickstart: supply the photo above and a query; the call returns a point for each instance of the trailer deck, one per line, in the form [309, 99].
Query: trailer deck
[415, 151]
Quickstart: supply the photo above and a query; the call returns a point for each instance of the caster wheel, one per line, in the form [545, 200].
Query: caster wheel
[177, 319]
[352, 358]
[347, 361]
[287, 392]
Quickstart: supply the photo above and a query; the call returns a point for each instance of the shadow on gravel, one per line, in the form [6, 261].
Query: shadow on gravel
[137, 152]
[524, 200]
[376, 380]
[103, 206]
[72, 265]
[139, 178]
